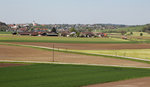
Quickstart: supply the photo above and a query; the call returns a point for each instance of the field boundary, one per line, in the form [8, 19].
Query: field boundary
[75, 52]
[11, 61]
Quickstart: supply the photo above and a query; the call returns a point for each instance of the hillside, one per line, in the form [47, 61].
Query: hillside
[127, 29]
[3, 26]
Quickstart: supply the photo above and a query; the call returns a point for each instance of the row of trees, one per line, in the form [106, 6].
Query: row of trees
[146, 28]
[123, 31]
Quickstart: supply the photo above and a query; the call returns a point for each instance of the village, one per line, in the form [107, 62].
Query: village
[35, 29]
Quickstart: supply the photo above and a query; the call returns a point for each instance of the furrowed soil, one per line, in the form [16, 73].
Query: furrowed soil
[30, 54]
[78, 46]
[141, 82]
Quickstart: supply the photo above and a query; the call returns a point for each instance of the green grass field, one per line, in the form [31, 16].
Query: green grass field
[135, 34]
[5, 32]
[138, 34]
[116, 38]
[11, 38]
[127, 29]
[55, 75]
[136, 53]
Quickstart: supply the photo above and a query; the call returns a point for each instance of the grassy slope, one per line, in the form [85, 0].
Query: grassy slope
[53, 75]
[5, 32]
[138, 34]
[128, 29]
[136, 53]
[10, 38]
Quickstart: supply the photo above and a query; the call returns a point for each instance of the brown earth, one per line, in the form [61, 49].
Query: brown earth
[141, 82]
[10, 64]
[30, 54]
[78, 46]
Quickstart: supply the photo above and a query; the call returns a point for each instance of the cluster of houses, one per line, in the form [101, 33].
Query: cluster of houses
[62, 34]
[35, 30]
[82, 34]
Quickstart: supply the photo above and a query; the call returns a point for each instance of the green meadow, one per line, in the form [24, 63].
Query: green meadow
[136, 53]
[57, 75]
[114, 38]
[11, 38]
[138, 34]
[5, 32]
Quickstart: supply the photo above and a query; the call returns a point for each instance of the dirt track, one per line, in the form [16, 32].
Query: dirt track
[78, 46]
[141, 82]
[30, 54]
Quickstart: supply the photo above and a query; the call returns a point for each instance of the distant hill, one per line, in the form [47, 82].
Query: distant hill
[3, 26]
[138, 28]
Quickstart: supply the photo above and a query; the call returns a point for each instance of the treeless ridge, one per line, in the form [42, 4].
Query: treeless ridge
[78, 46]
[30, 54]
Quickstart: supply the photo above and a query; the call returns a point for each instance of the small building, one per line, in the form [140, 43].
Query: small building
[65, 33]
[101, 34]
[51, 34]
[87, 34]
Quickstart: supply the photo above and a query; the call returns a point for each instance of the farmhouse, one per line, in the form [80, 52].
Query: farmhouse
[101, 34]
[86, 34]
[51, 34]
[65, 33]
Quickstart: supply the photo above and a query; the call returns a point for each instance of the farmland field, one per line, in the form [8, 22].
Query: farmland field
[87, 46]
[135, 53]
[6, 33]
[128, 50]
[54, 75]
[138, 34]
[115, 39]
[16, 53]
[11, 38]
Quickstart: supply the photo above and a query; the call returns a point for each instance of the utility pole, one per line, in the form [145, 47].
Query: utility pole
[53, 54]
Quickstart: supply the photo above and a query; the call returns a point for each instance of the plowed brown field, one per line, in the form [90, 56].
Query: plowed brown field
[78, 46]
[141, 82]
[31, 54]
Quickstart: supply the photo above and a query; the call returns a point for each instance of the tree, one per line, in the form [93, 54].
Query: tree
[78, 34]
[131, 33]
[123, 32]
[90, 30]
[54, 30]
[141, 34]
[146, 28]
[3, 27]
[72, 30]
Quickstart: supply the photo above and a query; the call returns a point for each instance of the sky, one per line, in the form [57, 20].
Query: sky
[129, 12]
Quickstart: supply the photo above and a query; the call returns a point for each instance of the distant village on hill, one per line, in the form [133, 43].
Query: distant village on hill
[66, 30]
[71, 30]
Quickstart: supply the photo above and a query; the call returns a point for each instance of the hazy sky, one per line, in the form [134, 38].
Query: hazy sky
[75, 11]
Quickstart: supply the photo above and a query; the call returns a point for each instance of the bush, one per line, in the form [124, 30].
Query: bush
[123, 32]
[141, 34]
